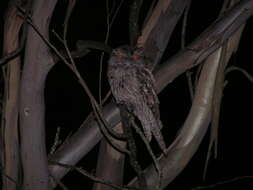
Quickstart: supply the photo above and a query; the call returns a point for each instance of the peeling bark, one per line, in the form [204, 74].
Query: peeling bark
[10, 157]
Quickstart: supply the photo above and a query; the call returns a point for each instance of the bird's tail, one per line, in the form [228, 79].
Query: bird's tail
[150, 124]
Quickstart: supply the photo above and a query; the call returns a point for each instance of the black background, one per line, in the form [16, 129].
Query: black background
[67, 104]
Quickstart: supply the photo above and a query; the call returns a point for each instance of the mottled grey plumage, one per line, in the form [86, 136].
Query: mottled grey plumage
[132, 85]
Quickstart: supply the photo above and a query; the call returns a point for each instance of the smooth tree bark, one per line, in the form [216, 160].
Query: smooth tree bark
[37, 63]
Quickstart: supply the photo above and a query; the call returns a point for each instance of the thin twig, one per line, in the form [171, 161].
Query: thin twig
[116, 13]
[184, 25]
[89, 44]
[222, 182]
[183, 34]
[109, 25]
[102, 54]
[106, 97]
[70, 8]
[3, 174]
[244, 72]
[57, 141]
[11, 55]
[59, 183]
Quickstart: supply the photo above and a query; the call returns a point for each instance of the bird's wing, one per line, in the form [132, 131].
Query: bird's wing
[147, 85]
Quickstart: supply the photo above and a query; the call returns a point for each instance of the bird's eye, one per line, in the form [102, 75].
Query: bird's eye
[119, 56]
[136, 57]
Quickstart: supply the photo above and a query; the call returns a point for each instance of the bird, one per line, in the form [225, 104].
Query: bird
[133, 86]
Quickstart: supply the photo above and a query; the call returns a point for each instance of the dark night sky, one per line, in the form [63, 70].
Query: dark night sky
[67, 104]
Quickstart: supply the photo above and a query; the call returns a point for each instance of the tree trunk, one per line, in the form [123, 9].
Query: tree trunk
[37, 62]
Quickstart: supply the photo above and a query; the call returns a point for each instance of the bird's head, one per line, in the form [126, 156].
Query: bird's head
[122, 52]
